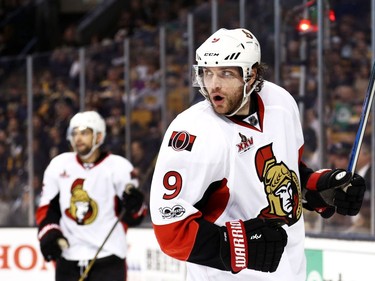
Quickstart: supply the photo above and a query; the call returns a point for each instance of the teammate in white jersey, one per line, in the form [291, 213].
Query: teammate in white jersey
[83, 194]
[229, 184]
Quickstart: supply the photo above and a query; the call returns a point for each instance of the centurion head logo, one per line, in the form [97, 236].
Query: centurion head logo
[83, 210]
[281, 186]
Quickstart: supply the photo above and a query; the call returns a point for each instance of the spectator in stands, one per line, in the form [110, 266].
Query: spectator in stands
[142, 160]
[338, 158]
[61, 112]
[116, 130]
[343, 115]
[150, 97]
[5, 210]
[20, 208]
[56, 142]
[338, 155]
[62, 91]
[5, 168]
[40, 156]
[362, 222]
[16, 139]
[69, 36]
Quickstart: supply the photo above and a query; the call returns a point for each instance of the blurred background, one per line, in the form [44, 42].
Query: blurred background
[131, 61]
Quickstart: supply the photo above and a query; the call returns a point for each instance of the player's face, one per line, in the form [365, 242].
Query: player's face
[225, 88]
[82, 139]
[285, 194]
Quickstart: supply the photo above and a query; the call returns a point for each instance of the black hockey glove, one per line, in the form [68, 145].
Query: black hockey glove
[52, 242]
[133, 203]
[255, 244]
[329, 191]
[349, 201]
[132, 199]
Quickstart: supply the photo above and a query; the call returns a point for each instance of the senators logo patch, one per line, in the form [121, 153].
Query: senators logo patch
[83, 210]
[180, 141]
[281, 186]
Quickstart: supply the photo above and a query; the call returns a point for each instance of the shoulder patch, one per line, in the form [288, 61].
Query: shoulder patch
[182, 140]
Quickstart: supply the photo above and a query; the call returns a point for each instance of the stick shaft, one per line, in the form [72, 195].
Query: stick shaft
[88, 268]
[366, 109]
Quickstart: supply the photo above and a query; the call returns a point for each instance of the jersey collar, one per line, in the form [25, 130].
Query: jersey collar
[254, 120]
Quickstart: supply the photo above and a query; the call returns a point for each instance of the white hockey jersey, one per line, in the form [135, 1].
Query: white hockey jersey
[87, 197]
[212, 169]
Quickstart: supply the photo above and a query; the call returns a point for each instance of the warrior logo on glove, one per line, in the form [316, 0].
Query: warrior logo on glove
[281, 186]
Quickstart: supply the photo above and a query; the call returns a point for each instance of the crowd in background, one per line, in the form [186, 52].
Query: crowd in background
[56, 94]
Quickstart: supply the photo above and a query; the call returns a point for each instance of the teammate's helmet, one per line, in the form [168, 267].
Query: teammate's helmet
[227, 47]
[88, 119]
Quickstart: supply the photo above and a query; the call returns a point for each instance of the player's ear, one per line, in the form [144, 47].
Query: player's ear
[253, 76]
[99, 137]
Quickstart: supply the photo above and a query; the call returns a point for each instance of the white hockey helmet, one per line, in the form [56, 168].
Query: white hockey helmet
[88, 119]
[228, 47]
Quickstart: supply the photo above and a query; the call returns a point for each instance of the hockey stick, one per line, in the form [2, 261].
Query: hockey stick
[353, 158]
[88, 268]
[366, 109]
[121, 215]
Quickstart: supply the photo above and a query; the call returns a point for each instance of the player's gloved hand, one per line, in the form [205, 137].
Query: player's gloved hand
[133, 203]
[348, 201]
[255, 244]
[52, 242]
[132, 199]
[329, 191]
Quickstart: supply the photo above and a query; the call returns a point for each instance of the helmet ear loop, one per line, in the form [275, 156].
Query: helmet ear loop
[70, 139]
[72, 143]
[94, 146]
[202, 89]
[245, 96]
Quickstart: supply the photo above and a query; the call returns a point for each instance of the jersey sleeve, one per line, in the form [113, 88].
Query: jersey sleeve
[189, 193]
[123, 175]
[48, 211]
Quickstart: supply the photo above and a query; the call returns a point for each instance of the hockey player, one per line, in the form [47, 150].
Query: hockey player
[229, 185]
[83, 192]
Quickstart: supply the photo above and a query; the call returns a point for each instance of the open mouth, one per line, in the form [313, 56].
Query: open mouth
[79, 145]
[218, 98]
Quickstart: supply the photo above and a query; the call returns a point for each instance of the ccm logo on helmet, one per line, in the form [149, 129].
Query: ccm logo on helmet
[211, 54]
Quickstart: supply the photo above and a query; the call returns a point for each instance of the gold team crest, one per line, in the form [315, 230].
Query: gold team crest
[83, 210]
[281, 186]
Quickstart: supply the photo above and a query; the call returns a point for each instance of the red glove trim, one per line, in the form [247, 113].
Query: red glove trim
[141, 212]
[238, 245]
[47, 228]
[313, 179]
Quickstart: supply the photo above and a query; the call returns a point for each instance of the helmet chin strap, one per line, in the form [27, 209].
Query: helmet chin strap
[93, 148]
[88, 155]
[245, 98]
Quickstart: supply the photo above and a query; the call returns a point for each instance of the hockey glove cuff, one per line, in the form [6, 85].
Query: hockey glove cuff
[329, 191]
[255, 244]
[52, 242]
